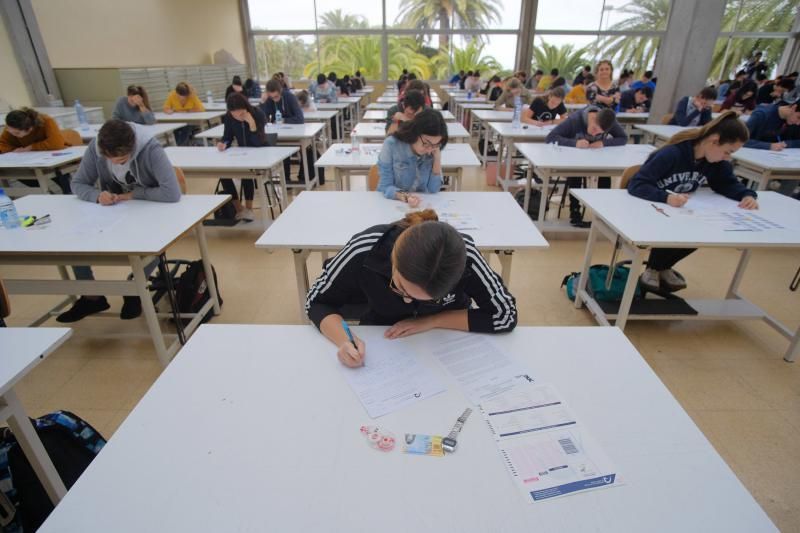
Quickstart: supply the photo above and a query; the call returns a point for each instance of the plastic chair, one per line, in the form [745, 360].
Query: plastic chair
[181, 179]
[372, 178]
[666, 118]
[627, 175]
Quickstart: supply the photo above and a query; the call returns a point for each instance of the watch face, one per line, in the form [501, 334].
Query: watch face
[449, 444]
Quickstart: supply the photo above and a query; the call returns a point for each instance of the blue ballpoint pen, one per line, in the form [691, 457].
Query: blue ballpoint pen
[349, 334]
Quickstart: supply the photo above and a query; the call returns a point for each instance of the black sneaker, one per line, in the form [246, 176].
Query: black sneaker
[131, 307]
[83, 308]
[580, 223]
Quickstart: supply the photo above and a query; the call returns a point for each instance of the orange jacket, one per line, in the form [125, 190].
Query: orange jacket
[45, 137]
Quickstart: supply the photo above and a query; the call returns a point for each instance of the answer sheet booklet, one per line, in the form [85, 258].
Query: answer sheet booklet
[543, 446]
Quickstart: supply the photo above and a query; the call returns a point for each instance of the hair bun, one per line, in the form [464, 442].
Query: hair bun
[417, 217]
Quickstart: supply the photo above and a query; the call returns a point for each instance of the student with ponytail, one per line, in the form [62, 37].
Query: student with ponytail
[183, 100]
[135, 107]
[690, 159]
[413, 275]
[245, 124]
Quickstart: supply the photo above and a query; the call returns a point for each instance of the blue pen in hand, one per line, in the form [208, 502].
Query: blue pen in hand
[349, 335]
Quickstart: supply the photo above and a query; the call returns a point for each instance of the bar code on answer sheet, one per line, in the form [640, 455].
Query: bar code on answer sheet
[568, 446]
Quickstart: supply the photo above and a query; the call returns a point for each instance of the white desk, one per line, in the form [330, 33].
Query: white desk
[23, 350]
[458, 102]
[480, 118]
[300, 135]
[261, 164]
[463, 114]
[199, 119]
[509, 135]
[392, 98]
[377, 115]
[41, 166]
[637, 227]
[504, 227]
[287, 447]
[376, 131]
[761, 166]
[163, 132]
[658, 134]
[630, 120]
[80, 234]
[343, 161]
[550, 161]
[339, 118]
[385, 105]
[325, 117]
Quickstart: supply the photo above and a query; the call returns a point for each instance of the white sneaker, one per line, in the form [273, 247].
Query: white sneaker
[672, 280]
[246, 214]
[650, 279]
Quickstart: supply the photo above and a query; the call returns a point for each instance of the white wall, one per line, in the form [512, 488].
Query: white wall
[13, 87]
[138, 33]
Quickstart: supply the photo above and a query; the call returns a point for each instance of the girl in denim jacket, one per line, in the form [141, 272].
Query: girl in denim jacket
[411, 158]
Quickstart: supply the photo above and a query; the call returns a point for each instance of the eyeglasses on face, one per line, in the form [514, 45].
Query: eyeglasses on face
[403, 294]
[427, 144]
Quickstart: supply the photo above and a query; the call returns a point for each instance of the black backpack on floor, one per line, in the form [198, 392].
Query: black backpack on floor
[192, 291]
[533, 204]
[70, 442]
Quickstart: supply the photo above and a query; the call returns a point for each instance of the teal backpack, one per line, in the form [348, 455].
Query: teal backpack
[597, 283]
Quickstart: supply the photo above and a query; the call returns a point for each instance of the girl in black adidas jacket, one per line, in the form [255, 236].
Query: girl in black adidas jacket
[414, 275]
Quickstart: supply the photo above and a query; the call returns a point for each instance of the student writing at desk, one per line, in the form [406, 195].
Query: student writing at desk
[27, 130]
[591, 127]
[545, 110]
[775, 127]
[694, 110]
[134, 107]
[183, 99]
[636, 100]
[409, 107]
[413, 275]
[130, 165]
[690, 159]
[411, 159]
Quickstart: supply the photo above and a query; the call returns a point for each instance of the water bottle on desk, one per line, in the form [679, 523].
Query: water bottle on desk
[517, 118]
[9, 218]
[278, 117]
[209, 97]
[355, 143]
[81, 112]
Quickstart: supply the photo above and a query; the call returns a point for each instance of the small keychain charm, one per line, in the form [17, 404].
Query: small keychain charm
[378, 438]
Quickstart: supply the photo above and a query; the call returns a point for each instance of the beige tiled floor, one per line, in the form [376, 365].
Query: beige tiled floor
[730, 377]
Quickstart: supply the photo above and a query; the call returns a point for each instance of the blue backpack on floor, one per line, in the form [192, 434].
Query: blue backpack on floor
[71, 444]
[597, 283]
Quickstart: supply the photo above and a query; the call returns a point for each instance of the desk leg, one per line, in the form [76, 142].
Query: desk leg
[485, 132]
[763, 183]
[262, 181]
[738, 275]
[510, 149]
[148, 308]
[304, 162]
[545, 196]
[32, 446]
[630, 287]
[587, 262]
[44, 186]
[528, 179]
[794, 348]
[337, 178]
[501, 146]
[301, 276]
[457, 184]
[505, 257]
[200, 235]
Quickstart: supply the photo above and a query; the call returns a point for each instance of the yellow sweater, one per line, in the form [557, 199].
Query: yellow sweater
[193, 103]
[577, 95]
[41, 138]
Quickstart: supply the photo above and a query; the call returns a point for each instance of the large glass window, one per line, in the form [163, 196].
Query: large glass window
[272, 15]
[290, 54]
[346, 14]
[426, 15]
[344, 54]
[600, 15]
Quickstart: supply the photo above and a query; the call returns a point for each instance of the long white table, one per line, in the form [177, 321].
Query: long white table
[549, 161]
[376, 131]
[637, 227]
[198, 119]
[761, 166]
[377, 115]
[343, 161]
[23, 350]
[392, 98]
[339, 117]
[508, 135]
[39, 166]
[383, 106]
[300, 135]
[286, 453]
[658, 134]
[165, 132]
[127, 234]
[261, 164]
[503, 226]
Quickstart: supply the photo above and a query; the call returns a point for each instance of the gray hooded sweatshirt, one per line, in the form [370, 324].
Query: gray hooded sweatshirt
[148, 172]
[123, 111]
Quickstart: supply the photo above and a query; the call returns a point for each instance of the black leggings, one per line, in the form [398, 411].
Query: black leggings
[249, 187]
[666, 258]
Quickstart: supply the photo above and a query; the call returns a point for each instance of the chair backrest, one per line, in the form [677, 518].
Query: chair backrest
[627, 175]
[715, 108]
[666, 118]
[373, 178]
[181, 179]
[72, 137]
[5, 303]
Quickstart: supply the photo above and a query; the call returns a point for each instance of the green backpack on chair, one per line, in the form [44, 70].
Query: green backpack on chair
[597, 283]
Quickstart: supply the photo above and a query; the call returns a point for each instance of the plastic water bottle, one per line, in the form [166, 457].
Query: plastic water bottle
[81, 112]
[355, 143]
[469, 94]
[209, 97]
[278, 117]
[515, 120]
[9, 218]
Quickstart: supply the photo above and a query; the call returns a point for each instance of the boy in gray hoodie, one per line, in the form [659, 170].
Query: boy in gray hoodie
[129, 165]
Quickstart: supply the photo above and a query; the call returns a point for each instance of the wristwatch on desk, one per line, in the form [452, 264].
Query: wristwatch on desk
[449, 442]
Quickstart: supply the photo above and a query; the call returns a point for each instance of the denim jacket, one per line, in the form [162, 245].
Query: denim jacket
[401, 169]
[323, 95]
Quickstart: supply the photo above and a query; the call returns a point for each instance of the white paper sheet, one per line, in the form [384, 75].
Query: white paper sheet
[527, 408]
[446, 211]
[482, 370]
[391, 378]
